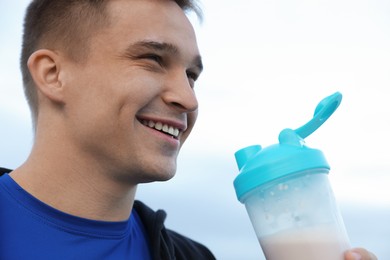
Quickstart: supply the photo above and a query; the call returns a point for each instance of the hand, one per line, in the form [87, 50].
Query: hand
[359, 254]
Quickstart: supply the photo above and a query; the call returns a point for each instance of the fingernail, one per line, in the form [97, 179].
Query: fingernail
[356, 256]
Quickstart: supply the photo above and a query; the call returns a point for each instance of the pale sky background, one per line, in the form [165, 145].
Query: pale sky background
[267, 65]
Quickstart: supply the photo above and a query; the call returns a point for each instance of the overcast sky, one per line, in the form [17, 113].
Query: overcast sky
[267, 65]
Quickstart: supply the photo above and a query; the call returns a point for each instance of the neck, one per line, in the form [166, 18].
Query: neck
[74, 186]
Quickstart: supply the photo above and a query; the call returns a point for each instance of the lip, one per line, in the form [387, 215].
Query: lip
[181, 126]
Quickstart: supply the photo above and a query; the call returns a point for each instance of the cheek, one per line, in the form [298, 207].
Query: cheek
[191, 119]
[95, 106]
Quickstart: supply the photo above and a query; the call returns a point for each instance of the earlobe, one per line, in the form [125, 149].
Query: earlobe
[44, 67]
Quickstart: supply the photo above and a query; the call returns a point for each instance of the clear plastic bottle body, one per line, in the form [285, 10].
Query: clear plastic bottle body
[296, 217]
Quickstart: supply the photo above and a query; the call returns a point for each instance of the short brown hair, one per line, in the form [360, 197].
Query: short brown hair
[65, 24]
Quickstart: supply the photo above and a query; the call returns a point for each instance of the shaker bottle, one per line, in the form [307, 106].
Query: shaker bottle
[287, 195]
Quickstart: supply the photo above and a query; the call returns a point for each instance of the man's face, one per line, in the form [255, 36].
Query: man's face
[131, 104]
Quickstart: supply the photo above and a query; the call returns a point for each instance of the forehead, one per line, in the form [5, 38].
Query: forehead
[150, 20]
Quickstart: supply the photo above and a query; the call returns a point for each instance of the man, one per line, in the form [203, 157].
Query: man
[110, 86]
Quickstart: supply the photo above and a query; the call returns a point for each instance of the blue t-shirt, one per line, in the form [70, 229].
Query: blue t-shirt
[30, 229]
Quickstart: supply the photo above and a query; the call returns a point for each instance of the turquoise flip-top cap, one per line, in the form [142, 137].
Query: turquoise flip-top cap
[259, 166]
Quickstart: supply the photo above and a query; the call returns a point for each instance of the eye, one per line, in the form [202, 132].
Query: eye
[192, 77]
[153, 57]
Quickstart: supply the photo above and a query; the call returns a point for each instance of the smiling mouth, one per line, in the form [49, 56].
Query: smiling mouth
[164, 128]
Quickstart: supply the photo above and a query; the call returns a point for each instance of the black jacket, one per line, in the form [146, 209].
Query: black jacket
[165, 244]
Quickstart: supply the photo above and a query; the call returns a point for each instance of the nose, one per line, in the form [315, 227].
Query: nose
[180, 94]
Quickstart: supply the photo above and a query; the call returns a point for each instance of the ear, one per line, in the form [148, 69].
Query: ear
[44, 67]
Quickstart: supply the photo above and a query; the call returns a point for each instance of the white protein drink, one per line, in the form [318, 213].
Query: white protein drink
[309, 243]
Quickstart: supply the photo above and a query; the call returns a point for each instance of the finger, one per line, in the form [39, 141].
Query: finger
[360, 254]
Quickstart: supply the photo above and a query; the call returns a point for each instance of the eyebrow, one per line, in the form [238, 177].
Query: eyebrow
[163, 46]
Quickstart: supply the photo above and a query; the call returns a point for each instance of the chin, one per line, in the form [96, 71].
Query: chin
[157, 179]
[166, 178]
[160, 176]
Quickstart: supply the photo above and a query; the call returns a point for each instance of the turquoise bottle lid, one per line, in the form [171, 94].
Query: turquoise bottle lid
[259, 166]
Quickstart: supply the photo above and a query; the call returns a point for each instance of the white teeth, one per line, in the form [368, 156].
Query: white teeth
[162, 127]
[158, 126]
[171, 131]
